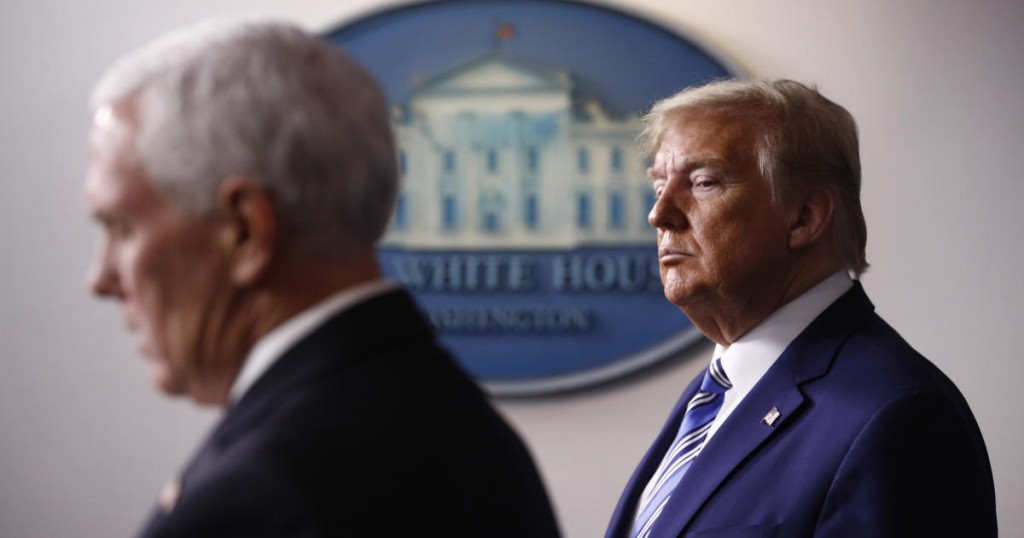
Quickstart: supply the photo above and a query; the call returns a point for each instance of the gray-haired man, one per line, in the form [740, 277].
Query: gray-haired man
[242, 174]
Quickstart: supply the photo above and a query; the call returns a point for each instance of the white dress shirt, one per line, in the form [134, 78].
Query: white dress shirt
[750, 356]
[275, 343]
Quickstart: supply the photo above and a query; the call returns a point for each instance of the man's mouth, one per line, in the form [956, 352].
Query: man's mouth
[672, 254]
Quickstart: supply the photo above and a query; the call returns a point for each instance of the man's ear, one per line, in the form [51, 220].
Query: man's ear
[812, 216]
[250, 228]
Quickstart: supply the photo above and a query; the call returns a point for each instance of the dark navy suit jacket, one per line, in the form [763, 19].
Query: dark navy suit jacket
[364, 428]
[872, 441]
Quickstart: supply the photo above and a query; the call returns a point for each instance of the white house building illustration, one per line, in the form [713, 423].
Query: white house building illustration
[498, 153]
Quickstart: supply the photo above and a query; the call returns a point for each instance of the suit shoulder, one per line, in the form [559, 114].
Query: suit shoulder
[877, 379]
[396, 422]
[877, 356]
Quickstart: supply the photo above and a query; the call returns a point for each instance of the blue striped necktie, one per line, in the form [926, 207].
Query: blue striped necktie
[693, 433]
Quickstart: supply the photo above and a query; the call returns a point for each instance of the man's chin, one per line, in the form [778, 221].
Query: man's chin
[681, 295]
[167, 382]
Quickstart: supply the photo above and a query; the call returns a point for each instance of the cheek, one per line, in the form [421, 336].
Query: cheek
[725, 230]
[156, 280]
[753, 252]
[134, 273]
[147, 276]
[196, 304]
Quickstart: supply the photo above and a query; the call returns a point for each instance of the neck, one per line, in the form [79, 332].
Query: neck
[726, 323]
[295, 286]
[289, 287]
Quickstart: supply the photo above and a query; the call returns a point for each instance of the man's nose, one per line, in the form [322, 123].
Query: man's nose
[101, 277]
[667, 213]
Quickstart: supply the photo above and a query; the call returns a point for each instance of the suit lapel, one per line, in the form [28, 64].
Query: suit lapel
[807, 358]
[738, 438]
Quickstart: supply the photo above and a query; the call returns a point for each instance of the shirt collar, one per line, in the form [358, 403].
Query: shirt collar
[271, 346]
[750, 356]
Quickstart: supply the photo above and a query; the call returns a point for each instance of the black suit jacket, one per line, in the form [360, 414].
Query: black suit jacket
[364, 428]
[872, 441]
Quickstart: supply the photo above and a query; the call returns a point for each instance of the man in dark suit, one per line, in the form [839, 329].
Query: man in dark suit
[815, 418]
[242, 174]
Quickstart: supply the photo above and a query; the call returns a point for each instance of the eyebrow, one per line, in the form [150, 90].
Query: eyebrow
[103, 219]
[654, 172]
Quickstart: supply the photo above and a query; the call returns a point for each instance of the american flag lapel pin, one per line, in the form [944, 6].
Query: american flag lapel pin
[772, 416]
[169, 495]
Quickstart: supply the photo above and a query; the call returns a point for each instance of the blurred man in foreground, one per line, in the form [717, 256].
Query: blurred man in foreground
[815, 418]
[242, 174]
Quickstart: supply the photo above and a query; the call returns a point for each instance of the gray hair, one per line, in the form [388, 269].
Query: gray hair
[270, 102]
[803, 139]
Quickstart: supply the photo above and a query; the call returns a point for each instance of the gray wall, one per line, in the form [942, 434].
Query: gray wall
[85, 443]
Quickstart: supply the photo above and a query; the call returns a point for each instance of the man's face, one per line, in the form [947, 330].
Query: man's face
[722, 243]
[160, 262]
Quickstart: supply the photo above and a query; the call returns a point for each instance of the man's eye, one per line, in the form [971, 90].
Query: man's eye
[704, 182]
[119, 229]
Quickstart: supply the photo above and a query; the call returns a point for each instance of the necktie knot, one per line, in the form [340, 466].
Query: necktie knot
[715, 379]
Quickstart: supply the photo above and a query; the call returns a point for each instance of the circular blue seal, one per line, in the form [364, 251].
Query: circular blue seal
[521, 226]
